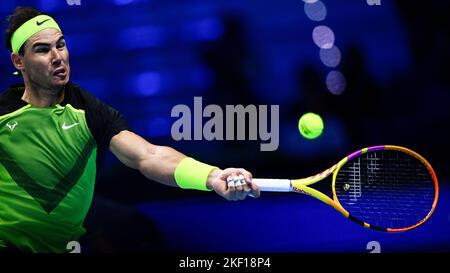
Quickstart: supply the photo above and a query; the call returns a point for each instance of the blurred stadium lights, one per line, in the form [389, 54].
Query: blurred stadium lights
[316, 11]
[123, 2]
[206, 29]
[330, 57]
[146, 83]
[323, 37]
[140, 37]
[336, 82]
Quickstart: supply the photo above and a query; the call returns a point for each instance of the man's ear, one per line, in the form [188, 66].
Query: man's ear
[17, 61]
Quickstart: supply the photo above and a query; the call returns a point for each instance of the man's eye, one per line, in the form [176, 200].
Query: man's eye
[42, 50]
[61, 45]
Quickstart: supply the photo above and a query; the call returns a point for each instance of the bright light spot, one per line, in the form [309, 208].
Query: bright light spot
[330, 57]
[140, 37]
[147, 83]
[316, 11]
[336, 82]
[323, 37]
[209, 29]
[123, 2]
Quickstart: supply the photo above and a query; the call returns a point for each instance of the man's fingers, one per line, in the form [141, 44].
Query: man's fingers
[236, 187]
[245, 187]
[246, 182]
[248, 175]
[239, 184]
[255, 191]
[248, 185]
[231, 184]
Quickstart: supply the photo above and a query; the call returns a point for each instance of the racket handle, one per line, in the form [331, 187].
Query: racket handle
[276, 185]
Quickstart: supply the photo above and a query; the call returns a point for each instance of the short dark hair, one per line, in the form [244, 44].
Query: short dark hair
[17, 19]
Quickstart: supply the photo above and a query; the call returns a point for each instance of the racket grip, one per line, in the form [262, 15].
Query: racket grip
[275, 185]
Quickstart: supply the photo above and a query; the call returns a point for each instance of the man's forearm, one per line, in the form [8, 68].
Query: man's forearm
[161, 165]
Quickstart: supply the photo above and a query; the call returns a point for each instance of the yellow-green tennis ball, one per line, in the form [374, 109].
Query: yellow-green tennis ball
[310, 125]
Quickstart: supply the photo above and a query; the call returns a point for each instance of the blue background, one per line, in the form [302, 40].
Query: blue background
[145, 56]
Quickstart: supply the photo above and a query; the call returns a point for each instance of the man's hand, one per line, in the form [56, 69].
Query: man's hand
[232, 184]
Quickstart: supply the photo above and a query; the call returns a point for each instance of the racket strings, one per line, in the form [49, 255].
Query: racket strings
[386, 188]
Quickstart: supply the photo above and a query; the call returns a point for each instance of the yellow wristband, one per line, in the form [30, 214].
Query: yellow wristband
[192, 174]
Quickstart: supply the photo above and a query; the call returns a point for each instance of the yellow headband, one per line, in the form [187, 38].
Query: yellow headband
[29, 28]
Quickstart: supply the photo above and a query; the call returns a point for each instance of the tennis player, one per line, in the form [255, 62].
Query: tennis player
[53, 135]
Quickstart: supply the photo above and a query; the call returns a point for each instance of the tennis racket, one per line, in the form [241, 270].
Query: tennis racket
[386, 188]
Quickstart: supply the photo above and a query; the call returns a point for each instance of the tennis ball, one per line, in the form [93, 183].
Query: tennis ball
[310, 125]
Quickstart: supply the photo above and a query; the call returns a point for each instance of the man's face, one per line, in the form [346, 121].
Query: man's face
[46, 60]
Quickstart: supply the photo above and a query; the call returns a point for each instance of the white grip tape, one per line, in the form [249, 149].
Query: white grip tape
[277, 185]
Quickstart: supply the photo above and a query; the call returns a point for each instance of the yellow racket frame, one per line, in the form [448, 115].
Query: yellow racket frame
[302, 185]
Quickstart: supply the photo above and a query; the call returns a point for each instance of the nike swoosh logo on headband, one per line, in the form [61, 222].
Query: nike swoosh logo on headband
[40, 23]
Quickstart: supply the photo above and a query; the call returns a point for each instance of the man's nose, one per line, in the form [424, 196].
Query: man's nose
[56, 57]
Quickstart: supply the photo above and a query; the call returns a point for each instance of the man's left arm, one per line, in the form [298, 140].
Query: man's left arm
[159, 163]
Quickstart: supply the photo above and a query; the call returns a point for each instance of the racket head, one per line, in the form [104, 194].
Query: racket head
[386, 188]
